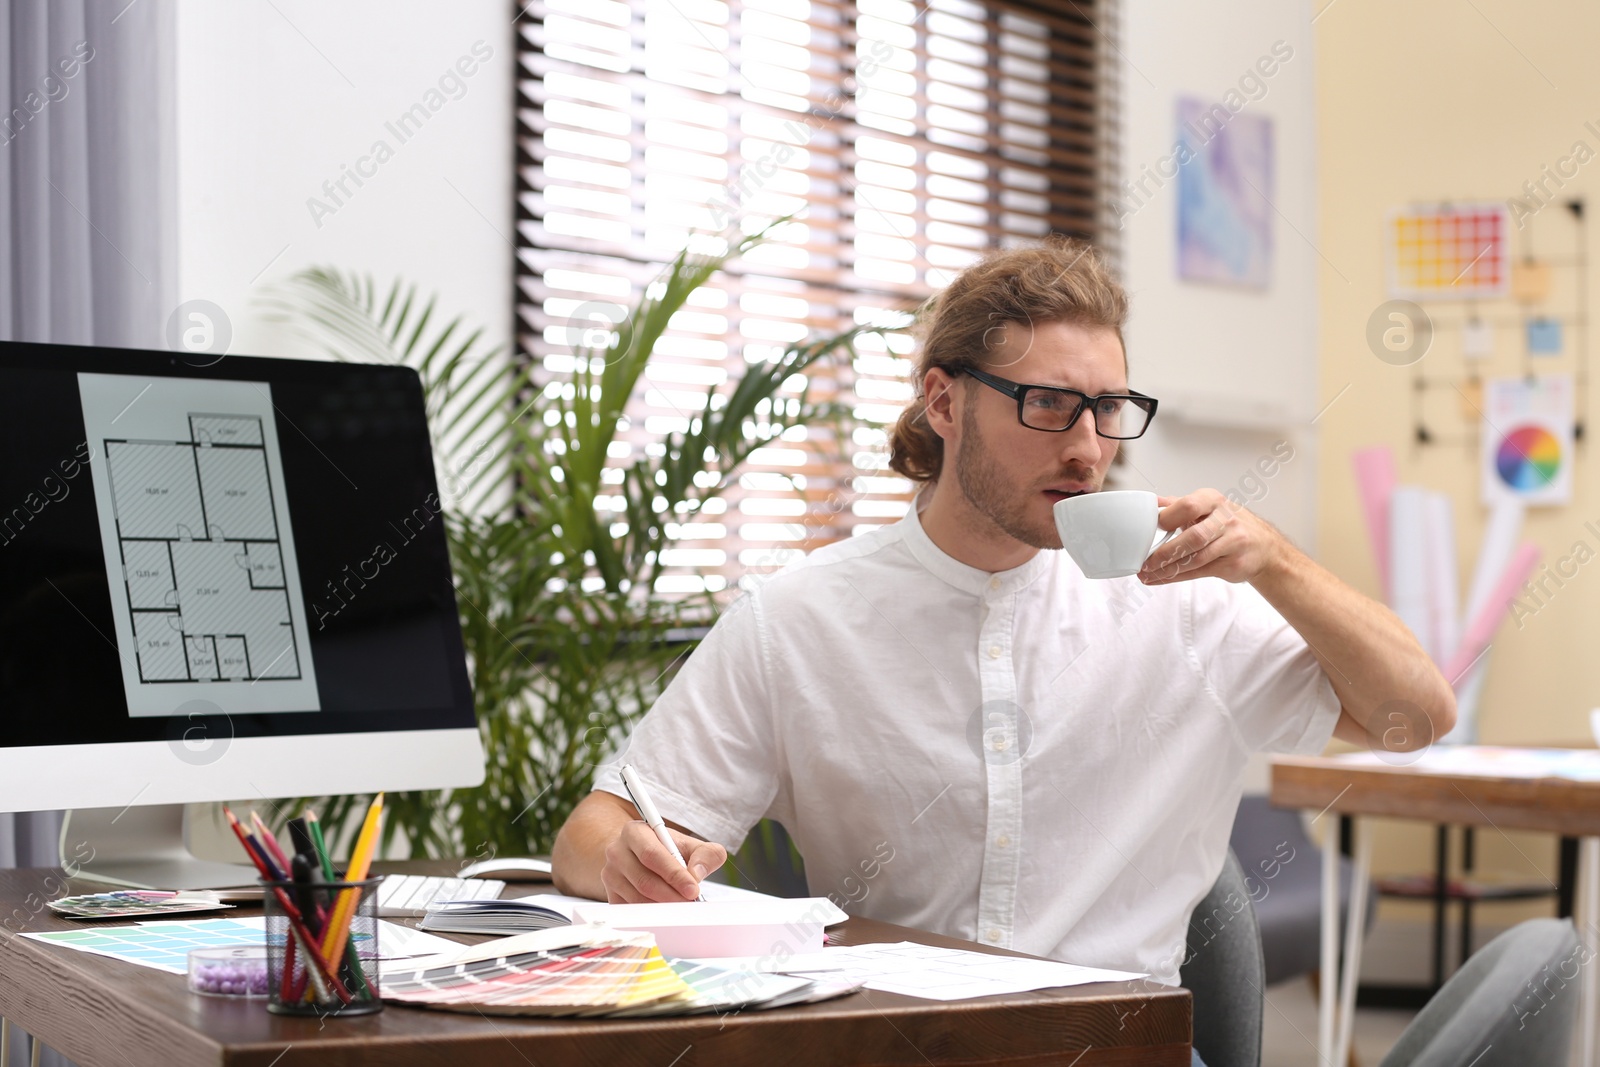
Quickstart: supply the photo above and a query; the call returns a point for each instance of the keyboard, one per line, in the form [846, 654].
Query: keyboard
[402, 895]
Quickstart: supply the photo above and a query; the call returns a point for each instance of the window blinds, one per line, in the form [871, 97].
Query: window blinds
[906, 138]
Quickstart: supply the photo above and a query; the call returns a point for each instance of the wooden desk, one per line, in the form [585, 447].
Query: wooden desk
[101, 1011]
[1356, 786]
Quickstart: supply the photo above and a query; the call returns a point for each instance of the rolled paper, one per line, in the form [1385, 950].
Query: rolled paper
[1469, 691]
[1375, 481]
[1482, 627]
[1444, 608]
[1408, 560]
[1499, 541]
[1494, 554]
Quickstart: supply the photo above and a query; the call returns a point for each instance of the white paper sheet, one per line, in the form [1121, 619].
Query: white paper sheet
[932, 973]
[715, 910]
[1494, 761]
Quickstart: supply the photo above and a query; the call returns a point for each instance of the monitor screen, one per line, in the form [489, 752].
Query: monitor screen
[253, 550]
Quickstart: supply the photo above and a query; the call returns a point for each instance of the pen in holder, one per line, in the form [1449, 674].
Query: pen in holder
[322, 947]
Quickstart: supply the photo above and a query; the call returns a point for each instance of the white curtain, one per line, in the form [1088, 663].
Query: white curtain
[87, 197]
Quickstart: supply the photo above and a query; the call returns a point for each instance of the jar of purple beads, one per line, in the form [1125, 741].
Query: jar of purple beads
[229, 971]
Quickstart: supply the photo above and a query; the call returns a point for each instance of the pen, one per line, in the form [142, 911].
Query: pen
[647, 811]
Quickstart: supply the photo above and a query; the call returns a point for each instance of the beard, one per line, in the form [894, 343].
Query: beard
[1007, 507]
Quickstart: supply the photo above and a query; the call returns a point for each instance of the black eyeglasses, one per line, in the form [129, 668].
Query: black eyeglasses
[1120, 416]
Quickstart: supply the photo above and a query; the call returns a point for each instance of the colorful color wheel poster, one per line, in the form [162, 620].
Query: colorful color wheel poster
[1528, 439]
[1529, 458]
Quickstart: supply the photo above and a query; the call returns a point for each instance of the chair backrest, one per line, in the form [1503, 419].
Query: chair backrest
[1514, 1002]
[1224, 972]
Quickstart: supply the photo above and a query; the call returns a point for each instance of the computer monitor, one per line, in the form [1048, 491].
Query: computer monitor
[218, 582]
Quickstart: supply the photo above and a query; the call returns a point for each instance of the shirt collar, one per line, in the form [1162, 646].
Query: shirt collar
[954, 573]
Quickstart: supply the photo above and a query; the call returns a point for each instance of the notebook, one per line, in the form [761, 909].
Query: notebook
[518, 915]
[542, 911]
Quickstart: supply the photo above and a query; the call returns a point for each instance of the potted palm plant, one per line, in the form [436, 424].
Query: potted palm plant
[565, 631]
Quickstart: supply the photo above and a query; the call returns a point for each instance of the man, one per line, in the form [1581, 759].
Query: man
[1052, 763]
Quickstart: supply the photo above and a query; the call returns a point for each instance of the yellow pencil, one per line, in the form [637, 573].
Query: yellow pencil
[336, 935]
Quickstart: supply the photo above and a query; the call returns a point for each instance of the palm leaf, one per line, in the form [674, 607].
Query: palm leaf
[564, 630]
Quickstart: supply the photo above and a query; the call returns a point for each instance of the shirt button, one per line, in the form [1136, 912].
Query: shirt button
[993, 935]
[994, 651]
[1003, 840]
[994, 583]
[998, 744]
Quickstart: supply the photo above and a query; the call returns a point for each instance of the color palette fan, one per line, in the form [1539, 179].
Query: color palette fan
[589, 970]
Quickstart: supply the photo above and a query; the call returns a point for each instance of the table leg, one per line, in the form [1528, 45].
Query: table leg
[1355, 931]
[1589, 889]
[5, 1042]
[1441, 900]
[1468, 863]
[1330, 945]
[1566, 888]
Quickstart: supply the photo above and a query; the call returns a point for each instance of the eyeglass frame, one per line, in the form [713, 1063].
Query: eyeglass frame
[1018, 391]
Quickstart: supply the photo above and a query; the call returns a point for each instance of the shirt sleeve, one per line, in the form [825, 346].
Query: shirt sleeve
[706, 747]
[1261, 670]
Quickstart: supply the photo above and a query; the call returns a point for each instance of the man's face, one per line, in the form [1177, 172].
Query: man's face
[1012, 475]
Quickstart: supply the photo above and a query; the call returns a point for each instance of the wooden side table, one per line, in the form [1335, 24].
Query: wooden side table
[1446, 786]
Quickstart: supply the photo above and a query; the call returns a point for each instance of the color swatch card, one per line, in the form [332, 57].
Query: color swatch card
[162, 945]
[165, 945]
[1528, 439]
[133, 903]
[1454, 251]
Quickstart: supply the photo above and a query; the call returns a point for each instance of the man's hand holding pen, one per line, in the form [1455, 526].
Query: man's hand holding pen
[639, 869]
[647, 863]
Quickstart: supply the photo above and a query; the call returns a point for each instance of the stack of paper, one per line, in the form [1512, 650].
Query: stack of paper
[722, 927]
[587, 970]
[729, 921]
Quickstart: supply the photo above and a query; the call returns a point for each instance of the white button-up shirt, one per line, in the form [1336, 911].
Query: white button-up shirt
[1030, 758]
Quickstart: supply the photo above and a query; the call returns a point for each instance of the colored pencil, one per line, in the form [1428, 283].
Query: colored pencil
[270, 839]
[263, 858]
[336, 935]
[328, 976]
[296, 921]
[322, 846]
[314, 827]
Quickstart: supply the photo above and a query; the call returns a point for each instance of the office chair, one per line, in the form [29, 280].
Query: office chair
[1514, 1003]
[1224, 972]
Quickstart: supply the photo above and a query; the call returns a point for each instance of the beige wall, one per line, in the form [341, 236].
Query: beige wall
[1211, 352]
[1430, 100]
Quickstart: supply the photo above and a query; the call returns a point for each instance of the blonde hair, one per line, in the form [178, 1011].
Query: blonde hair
[1060, 280]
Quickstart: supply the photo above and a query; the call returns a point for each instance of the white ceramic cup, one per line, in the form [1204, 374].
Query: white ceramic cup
[1109, 534]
